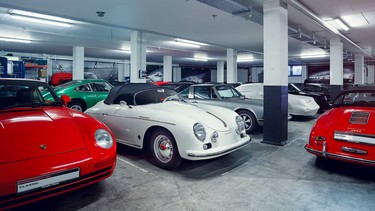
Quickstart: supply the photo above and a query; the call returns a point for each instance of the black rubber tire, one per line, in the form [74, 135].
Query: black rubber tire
[163, 138]
[76, 105]
[251, 124]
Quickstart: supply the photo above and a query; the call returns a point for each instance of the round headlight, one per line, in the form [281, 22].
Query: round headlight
[103, 139]
[199, 131]
[240, 124]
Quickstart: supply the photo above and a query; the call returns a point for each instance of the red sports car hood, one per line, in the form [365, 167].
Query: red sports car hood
[37, 132]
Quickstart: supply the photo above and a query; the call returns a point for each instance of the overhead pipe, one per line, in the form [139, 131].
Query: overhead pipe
[296, 4]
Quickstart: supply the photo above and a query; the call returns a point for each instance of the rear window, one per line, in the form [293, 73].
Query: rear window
[356, 99]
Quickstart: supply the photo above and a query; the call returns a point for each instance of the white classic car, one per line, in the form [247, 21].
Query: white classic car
[148, 116]
[297, 105]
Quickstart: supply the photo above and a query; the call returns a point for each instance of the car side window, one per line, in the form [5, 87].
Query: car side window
[202, 92]
[100, 87]
[83, 88]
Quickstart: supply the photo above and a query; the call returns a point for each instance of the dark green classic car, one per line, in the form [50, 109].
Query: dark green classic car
[84, 93]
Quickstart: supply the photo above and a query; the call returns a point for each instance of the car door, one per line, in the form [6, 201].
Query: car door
[123, 120]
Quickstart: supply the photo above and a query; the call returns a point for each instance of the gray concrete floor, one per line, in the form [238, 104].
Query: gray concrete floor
[257, 177]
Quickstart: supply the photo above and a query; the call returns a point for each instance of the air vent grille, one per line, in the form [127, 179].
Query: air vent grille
[359, 118]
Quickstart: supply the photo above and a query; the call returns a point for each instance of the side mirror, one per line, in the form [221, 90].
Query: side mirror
[65, 99]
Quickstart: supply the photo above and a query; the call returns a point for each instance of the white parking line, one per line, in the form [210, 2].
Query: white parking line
[127, 162]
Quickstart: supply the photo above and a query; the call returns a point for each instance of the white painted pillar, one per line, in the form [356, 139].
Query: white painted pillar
[78, 62]
[304, 73]
[220, 71]
[121, 72]
[275, 39]
[336, 73]
[231, 65]
[49, 69]
[371, 74]
[137, 57]
[167, 68]
[359, 73]
[176, 74]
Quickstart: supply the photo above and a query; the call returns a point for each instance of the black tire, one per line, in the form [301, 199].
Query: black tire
[163, 149]
[76, 105]
[251, 124]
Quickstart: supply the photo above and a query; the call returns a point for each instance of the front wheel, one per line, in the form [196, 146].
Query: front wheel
[76, 106]
[251, 123]
[164, 149]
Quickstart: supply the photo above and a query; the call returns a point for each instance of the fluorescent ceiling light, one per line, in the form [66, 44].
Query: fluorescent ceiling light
[14, 40]
[189, 43]
[338, 24]
[43, 21]
[42, 16]
[245, 58]
[306, 56]
[201, 59]
[355, 20]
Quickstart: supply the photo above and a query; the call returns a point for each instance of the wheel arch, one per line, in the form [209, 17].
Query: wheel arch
[149, 132]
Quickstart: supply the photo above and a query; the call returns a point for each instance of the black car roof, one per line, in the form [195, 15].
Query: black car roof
[129, 88]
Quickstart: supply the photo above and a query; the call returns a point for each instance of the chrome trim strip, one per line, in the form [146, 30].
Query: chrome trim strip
[220, 152]
[343, 157]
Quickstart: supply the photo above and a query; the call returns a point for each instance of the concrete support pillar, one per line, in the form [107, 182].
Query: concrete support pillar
[304, 73]
[336, 73]
[137, 57]
[213, 75]
[220, 71]
[275, 126]
[78, 62]
[371, 74]
[167, 68]
[49, 69]
[231, 65]
[359, 71]
[176, 74]
[121, 72]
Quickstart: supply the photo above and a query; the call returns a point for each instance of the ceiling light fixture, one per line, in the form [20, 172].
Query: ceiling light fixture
[188, 43]
[40, 18]
[6, 39]
[36, 20]
[337, 24]
[313, 56]
[355, 20]
[245, 57]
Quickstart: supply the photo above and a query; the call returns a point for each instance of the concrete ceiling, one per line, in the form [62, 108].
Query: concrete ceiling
[162, 21]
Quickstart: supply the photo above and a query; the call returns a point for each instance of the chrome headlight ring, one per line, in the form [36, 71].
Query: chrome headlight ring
[199, 131]
[103, 139]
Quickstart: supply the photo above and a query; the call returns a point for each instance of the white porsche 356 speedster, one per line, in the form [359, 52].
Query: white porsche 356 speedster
[145, 115]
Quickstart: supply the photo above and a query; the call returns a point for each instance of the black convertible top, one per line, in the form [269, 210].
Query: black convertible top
[129, 90]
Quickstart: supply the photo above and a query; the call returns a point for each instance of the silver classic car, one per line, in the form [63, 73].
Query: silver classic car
[224, 95]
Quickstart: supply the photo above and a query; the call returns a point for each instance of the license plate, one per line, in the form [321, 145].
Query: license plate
[46, 181]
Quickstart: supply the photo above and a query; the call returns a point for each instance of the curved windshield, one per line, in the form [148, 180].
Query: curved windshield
[26, 95]
[67, 84]
[228, 92]
[362, 98]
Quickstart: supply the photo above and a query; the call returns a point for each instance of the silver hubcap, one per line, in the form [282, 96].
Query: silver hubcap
[163, 148]
[76, 107]
[248, 121]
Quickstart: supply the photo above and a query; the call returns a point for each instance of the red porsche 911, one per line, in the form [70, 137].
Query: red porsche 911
[47, 148]
[346, 132]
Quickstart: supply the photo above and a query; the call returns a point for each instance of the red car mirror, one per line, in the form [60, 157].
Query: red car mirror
[65, 99]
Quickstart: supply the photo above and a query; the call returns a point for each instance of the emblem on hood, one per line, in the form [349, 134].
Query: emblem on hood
[43, 146]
